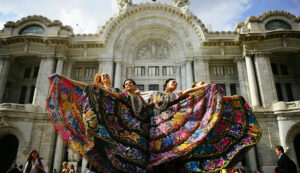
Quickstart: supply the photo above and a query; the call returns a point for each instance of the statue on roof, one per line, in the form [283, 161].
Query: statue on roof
[182, 3]
[123, 5]
[184, 6]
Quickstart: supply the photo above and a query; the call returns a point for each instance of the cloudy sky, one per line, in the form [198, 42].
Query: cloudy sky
[86, 15]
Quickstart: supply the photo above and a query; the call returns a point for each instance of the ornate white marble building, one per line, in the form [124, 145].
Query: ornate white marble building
[150, 42]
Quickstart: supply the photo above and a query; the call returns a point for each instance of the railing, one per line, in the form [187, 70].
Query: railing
[286, 106]
[19, 107]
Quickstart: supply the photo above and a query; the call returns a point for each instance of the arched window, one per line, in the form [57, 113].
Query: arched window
[277, 24]
[33, 29]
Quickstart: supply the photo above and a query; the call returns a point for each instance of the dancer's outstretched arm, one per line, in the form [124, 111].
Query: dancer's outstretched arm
[186, 92]
[81, 84]
[114, 94]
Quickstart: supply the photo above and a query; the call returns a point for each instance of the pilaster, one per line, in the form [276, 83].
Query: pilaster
[42, 85]
[117, 78]
[106, 66]
[4, 69]
[189, 72]
[265, 78]
[201, 69]
[242, 75]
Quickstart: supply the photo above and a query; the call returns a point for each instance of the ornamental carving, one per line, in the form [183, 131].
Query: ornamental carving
[184, 6]
[153, 50]
[123, 5]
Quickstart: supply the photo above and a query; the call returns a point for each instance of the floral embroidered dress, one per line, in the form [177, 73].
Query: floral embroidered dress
[206, 131]
[111, 133]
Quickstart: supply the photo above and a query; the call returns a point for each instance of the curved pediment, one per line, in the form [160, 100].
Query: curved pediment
[158, 11]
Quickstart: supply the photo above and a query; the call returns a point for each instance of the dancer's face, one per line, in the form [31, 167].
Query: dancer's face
[129, 86]
[172, 85]
[105, 78]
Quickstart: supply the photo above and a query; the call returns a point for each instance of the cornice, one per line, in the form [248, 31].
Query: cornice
[268, 35]
[270, 13]
[40, 18]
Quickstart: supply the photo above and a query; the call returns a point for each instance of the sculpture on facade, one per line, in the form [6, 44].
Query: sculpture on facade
[153, 50]
[201, 128]
[124, 5]
[184, 6]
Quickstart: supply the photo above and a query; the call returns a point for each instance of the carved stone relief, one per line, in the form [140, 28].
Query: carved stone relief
[153, 50]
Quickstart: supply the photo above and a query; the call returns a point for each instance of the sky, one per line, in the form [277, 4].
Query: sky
[84, 16]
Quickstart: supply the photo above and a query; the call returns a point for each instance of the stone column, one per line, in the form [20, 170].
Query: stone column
[265, 79]
[252, 82]
[59, 154]
[189, 73]
[83, 165]
[68, 71]
[201, 69]
[117, 81]
[183, 77]
[251, 159]
[59, 66]
[4, 69]
[130, 71]
[59, 147]
[106, 66]
[242, 74]
[42, 84]
[178, 77]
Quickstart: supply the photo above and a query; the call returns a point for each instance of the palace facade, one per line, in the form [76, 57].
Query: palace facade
[150, 42]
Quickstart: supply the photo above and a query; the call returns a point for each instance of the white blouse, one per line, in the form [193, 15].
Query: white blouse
[34, 166]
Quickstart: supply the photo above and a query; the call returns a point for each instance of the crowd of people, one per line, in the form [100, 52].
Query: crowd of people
[36, 164]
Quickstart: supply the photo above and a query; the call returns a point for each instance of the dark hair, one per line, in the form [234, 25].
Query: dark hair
[167, 81]
[128, 80]
[194, 84]
[280, 148]
[29, 157]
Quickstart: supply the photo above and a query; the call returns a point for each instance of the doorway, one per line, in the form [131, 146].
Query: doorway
[8, 148]
[297, 148]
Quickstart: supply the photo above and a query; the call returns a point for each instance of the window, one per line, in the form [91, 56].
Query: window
[218, 70]
[77, 72]
[36, 71]
[167, 71]
[153, 87]
[277, 24]
[289, 92]
[27, 73]
[279, 92]
[140, 87]
[89, 72]
[222, 86]
[230, 70]
[153, 71]
[233, 89]
[274, 68]
[284, 69]
[139, 71]
[23, 94]
[33, 29]
[31, 94]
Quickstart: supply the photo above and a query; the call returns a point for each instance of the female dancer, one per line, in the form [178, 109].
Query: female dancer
[201, 127]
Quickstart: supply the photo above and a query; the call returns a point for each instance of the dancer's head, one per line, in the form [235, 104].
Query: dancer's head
[197, 84]
[170, 85]
[129, 85]
[102, 79]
